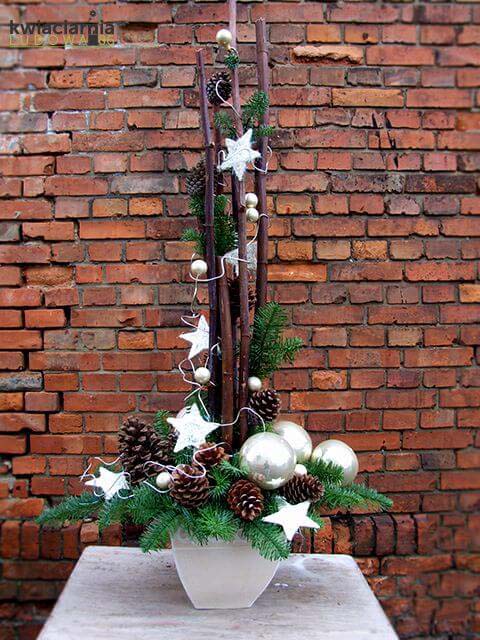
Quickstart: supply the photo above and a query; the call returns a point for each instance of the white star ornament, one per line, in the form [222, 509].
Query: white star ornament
[239, 154]
[109, 482]
[291, 517]
[199, 339]
[191, 428]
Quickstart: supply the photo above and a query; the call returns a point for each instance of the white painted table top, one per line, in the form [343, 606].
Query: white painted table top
[119, 593]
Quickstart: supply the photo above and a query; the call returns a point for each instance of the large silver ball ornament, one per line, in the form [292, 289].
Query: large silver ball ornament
[297, 438]
[202, 375]
[198, 268]
[254, 383]
[251, 200]
[340, 454]
[268, 459]
[224, 38]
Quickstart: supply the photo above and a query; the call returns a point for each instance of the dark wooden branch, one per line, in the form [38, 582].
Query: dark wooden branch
[209, 229]
[228, 401]
[260, 177]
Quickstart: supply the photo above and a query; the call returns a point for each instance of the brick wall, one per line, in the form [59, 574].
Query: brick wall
[375, 246]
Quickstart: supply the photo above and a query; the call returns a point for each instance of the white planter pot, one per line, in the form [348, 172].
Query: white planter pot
[221, 575]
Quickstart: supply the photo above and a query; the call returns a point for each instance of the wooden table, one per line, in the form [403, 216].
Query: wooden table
[119, 593]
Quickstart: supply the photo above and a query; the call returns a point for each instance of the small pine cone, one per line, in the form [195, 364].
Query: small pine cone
[266, 403]
[189, 486]
[165, 447]
[301, 488]
[196, 180]
[221, 83]
[245, 499]
[234, 288]
[209, 455]
[139, 444]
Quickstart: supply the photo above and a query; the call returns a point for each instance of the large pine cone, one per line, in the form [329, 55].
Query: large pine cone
[196, 180]
[301, 488]
[234, 289]
[245, 499]
[138, 444]
[209, 454]
[189, 486]
[221, 83]
[266, 403]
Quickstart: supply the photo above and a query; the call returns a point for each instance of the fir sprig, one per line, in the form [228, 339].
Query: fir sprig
[354, 495]
[224, 122]
[112, 511]
[72, 508]
[157, 534]
[215, 521]
[225, 232]
[231, 59]
[268, 348]
[326, 472]
[268, 539]
[254, 109]
[160, 423]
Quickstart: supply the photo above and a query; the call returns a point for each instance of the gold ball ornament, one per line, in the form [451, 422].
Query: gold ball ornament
[251, 200]
[297, 438]
[163, 480]
[338, 453]
[198, 268]
[268, 460]
[252, 214]
[224, 38]
[202, 375]
[254, 383]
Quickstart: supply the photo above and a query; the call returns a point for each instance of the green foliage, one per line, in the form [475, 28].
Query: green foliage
[254, 109]
[157, 534]
[72, 508]
[112, 511]
[232, 468]
[224, 226]
[268, 349]
[160, 423]
[354, 495]
[268, 539]
[224, 122]
[231, 59]
[221, 482]
[216, 521]
[147, 504]
[326, 472]
[262, 130]
[192, 235]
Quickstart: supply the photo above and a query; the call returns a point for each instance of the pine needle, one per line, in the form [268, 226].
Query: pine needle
[72, 508]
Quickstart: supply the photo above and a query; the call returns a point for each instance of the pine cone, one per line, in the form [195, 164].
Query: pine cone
[209, 454]
[234, 287]
[245, 499]
[266, 403]
[196, 180]
[138, 444]
[221, 83]
[189, 486]
[301, 488]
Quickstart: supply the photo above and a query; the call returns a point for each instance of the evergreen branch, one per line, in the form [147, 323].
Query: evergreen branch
[372, 497]
[192, 235]
[353, 495]
[160, 423]
[232, 468]
[112, 511]
[73, 508]
[224, 122]
[147, 504]
[158, 533]
[268, 539]
[222, 482]
[326, 472]
[216, 521]
[254, 109]
[263, 131]
[231, 60]
[224, 226]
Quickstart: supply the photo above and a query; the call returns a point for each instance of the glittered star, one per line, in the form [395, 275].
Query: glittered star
[199, 338]
[109, 482]
[191, 428]
[291, 517]
[232, 258]
[239, 154]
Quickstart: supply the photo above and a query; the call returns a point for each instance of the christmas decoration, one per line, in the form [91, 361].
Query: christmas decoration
[297, 438]
[339, 454]
[219, 88]
[163, 480]
[268, 460]
[199, 339]
[239, 154]
[224, 38]
[210, 454]
[300, 470]
[232, 257]
[202, 375]
[189, 486]
[139, 446]
[254, 383]
[251, 200]
[198, 268]
[196, 179]
[191, 428]
[301, 488]
[267, 405]
[291, 518]
[252, 214]
[245, 499]
[108, 482]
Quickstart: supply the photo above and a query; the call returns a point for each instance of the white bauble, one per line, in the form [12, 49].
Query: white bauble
[251, 200]
[163, 480]
[268, 460]
[340, 454]
[252, 214]
[198, 268]
[297, 438]
[224, 38]
[202, 375]
[300, 470]
[254, 383]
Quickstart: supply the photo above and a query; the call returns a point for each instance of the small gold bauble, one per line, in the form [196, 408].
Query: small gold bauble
[224, 38]
[268, 460]
[163, 480]
[296, 436]
[338, 453]
[252, 214]
[198, 268]
[254, 383]
[202, 375]
[251, 200]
